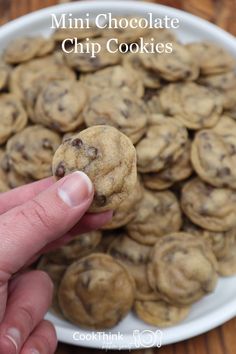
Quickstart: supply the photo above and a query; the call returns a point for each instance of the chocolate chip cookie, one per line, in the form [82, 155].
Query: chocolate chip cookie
[174, 66]
[197, 107]
[135, 257]
[59, 105]
[79, 247]
[160, 313]
[118, 108]
[96, 292]
[158, 214]
[127, 209]
[5, 70]
[107, 157]
[84, 62]
[25, 48]
[214, 154]
[209, 207]
[163, 143]
[116, 76]
[211, 58]
[31, 151]
[13, 116]
[183, 268]
[179, 170]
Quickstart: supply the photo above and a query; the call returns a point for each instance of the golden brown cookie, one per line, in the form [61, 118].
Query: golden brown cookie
[135, 257]
[183, 268]
[59, 105]
[84, 62]
[211, 58]
[13, 116]
[127, 209]
[179, 170]
[220, 242]
[5, 70]
[25, 48]
[209, 207]
[121, 109]
[107, 157]
[214, 154]
[28, 79]
[31, 151]
[80, 246]
[96, 292]
[174, 66]
[196, 106]
[223, 81]
[160, 313]
[116, 76]
[164, 142]
[158, 214]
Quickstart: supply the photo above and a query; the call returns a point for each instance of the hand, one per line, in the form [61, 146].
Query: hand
[35, 218]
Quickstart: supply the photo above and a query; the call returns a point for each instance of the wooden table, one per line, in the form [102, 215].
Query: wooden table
[222, 340]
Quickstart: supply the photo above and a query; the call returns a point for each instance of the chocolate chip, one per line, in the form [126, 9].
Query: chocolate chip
[77, 143]
[60, 170]
[100, 199]
[92, 152]
[46, 143]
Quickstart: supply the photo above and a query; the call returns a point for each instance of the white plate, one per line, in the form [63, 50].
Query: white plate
[214, 309]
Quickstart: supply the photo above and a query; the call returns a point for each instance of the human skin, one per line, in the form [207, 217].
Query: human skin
[34, 219]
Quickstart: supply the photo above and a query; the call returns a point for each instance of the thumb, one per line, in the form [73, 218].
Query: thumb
[26, 229]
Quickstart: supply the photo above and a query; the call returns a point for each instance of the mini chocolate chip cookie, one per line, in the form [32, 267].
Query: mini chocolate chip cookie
[135, 257]
[222, 82]
[214, 154]
[183, 268]
[160, 313]
[116, 76]
[31, 151]
[13, 116]
[127, 209]
[209, 207]
[196, 106]
[27, 79]
[84, 62]
[178, 171]
[71, 33]
[25, 48]
[174, 66]
[149, 78]
[164, 142]
[5, 71]
[59, 105]
[220, 242]
[121, 109]
[80, 246]
[107, 157]
[55, 272]
[158, 214]
[211, 58]
[96, 292]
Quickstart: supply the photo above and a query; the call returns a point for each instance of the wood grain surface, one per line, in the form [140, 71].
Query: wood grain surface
[221, 340]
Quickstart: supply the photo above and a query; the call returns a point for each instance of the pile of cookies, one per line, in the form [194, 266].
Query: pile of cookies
[169, 117]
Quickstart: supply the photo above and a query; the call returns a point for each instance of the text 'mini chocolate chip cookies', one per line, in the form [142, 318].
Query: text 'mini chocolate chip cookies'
[109, 159]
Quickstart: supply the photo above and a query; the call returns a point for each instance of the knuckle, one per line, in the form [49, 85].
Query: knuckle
[36, 214]
[25, 313]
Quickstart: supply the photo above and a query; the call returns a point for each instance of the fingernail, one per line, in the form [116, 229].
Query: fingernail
[34, 351]
[13, 334]
[76, 189]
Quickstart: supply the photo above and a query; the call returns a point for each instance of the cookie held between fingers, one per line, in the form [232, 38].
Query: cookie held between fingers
[109, 159]
[96, 292]
[183, 268]
[209, 207]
